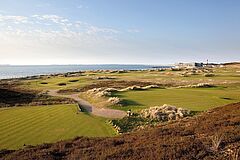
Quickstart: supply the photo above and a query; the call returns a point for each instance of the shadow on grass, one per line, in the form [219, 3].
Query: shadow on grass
[81, 109]
[116, 94]
[127, 102]
[226, 98]
[128, 105]
[10, 97]
[126, 108]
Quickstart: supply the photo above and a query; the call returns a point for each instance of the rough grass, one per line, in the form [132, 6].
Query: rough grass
[37, 125]
[196, 99]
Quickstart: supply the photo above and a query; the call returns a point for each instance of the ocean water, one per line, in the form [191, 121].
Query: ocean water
[10, 71]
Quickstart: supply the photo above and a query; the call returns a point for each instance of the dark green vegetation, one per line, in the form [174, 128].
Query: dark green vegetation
[128, 124]
[20, 126]
[186, 139]
[16, 97]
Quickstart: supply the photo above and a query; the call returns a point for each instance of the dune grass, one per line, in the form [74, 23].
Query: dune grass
[43, 124]
[196, 99]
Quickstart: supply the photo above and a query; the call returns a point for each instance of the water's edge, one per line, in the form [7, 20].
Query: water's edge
[12, 71]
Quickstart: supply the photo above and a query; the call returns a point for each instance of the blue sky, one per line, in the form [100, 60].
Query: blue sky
[120, 31]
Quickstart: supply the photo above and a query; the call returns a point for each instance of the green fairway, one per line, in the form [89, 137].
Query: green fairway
[37, 125]
[196, 99]
[55, 83]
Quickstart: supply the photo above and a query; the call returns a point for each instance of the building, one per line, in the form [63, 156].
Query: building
[189, 65]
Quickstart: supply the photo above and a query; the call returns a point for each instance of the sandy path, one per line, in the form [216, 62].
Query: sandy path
[103, 112]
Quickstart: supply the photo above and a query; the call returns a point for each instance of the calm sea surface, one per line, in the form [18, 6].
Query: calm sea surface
[10, 71]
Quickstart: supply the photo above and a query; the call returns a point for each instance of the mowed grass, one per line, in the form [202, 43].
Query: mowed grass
[196, 99]
[37, 125]
[53, 83]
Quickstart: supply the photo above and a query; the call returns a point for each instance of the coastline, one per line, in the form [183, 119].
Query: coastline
[30, 72]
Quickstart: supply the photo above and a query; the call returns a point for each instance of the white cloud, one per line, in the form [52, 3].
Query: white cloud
[76, 26]
[51, 36]
[52, 18]
[94, 29]
[15, 19]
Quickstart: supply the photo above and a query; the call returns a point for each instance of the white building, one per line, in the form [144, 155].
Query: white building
[189, 65]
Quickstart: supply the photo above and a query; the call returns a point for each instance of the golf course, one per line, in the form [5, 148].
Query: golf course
[45, 109]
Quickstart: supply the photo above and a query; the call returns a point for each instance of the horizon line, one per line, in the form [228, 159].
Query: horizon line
[147, 64]
[83, 64]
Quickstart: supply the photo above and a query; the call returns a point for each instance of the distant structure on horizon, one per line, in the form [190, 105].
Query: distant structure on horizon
[189, 65]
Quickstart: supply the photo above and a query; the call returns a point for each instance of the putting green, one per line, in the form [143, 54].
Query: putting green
[196, 99]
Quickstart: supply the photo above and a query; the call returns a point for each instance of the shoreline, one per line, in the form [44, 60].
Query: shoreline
[37, 76]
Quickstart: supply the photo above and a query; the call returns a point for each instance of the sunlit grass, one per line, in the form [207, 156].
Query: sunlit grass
[40, 124]
[196, 99]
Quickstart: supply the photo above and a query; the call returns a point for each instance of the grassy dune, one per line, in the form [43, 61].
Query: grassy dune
[197, 99]
[36, 125]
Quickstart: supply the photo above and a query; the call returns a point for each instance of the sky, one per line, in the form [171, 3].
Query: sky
[119, 31]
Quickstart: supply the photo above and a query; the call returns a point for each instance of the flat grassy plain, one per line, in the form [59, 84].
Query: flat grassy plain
[195, 99]
[44, 124]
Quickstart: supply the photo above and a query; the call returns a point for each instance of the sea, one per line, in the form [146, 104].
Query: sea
[18, 71]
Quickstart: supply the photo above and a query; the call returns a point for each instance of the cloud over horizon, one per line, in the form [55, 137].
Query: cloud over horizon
[31, 36]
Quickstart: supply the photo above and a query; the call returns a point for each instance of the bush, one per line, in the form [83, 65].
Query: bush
[127, 124]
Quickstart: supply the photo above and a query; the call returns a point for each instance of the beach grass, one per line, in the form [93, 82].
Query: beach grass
[20, 126]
